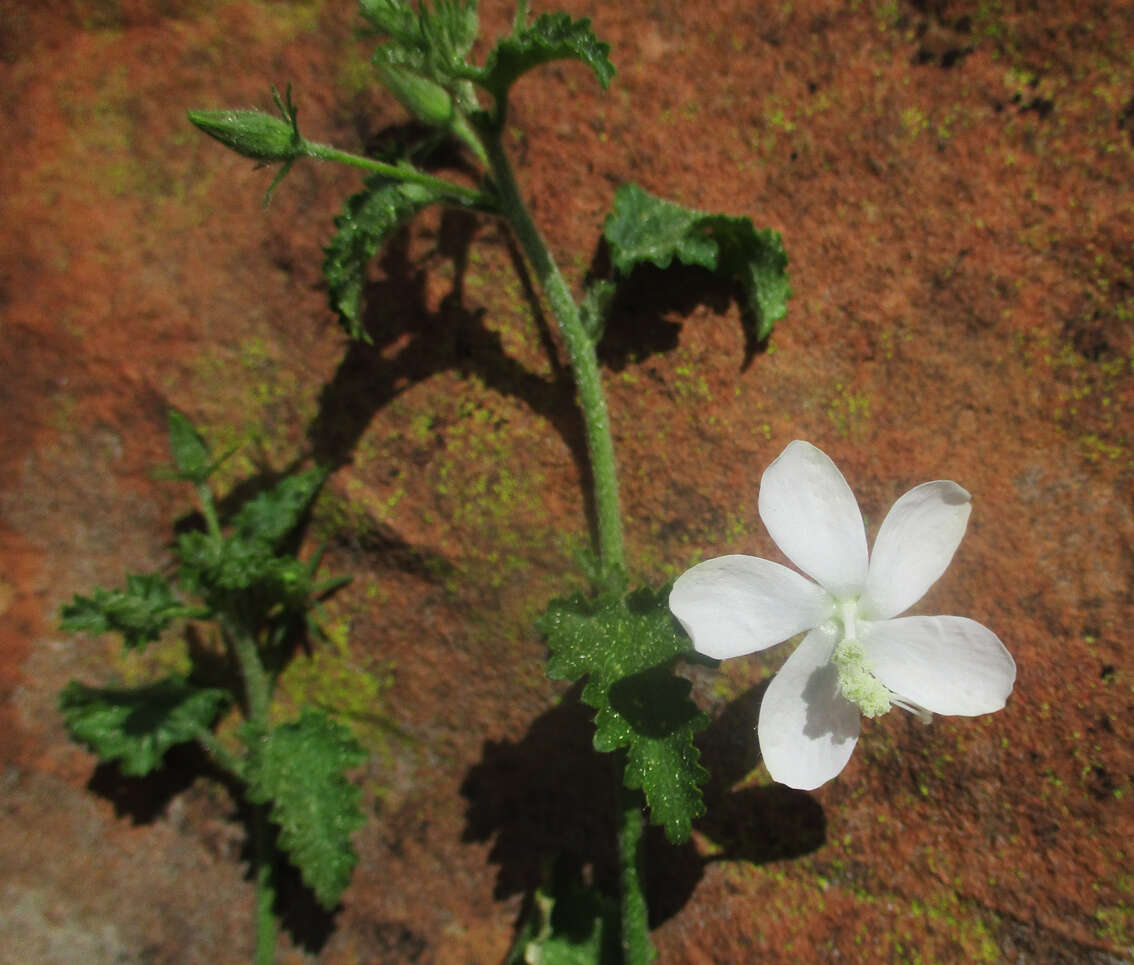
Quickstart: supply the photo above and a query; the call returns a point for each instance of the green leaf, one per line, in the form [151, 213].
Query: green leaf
[644, 228]
[137, 725]
[191, 453]
[627, 647]
[553, 36]
[272, 515]
[299, 771]
[140, 612]
[594, 306]
[433, 40]
[366, 223]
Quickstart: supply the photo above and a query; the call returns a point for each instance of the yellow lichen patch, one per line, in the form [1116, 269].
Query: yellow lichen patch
[341, 681]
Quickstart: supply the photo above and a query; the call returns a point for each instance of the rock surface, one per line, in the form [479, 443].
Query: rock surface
[954, 183]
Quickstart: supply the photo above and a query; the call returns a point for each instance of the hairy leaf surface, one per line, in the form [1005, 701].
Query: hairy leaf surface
[140, 612]
[643, 228]
[137, 725]
[191, 453]
[299, 772]
[368, 220]
[626, 648]
[273, 514]
[553, 36]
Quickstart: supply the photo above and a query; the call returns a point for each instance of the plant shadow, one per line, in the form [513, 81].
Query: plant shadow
[552, 794]
[143, 800]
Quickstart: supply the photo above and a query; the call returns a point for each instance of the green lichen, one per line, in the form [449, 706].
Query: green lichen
[848, 411]
[349, 685]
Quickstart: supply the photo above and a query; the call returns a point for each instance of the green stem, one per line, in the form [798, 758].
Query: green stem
[637, 948]
[265, 887]
[257, 694]
[220, 754]
[257, 685]
[457, 192]
[581, 354]
[209, 510]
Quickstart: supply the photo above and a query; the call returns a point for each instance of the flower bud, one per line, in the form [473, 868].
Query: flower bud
[252, 134]
[425, 100]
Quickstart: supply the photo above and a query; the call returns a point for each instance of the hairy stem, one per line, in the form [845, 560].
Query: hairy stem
[209, 510]
[264, 856]
[638, 948]
[455, 192]
[581, 354]
[257, 684]
[257, 695]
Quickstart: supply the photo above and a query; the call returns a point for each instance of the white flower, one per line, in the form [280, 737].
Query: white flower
[856, 655]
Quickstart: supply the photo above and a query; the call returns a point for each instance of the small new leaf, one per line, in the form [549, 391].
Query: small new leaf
[644, 228]
[432, 41]
[626, 648]
[299, 771]
[368, 220]
[270, 516]
[140, 612]
[136, 726]
[594, 306]
[553, 36]
[190, 451]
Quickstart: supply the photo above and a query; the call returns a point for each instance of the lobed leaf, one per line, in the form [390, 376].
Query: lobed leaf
[643, 228]
[553, 36]
[433, 40]
[626, 648]
[299, 771]
[368, 220]
[140, 612]
[137, 725]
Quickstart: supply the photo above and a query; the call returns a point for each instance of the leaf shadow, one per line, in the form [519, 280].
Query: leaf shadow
[144, 800]
[411, 342]
[550, 793]
[639, 318]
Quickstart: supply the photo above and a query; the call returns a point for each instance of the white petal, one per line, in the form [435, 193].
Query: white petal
[807, 728]
[812, 515]
[740, 604]
[917, 540]
[948, 665]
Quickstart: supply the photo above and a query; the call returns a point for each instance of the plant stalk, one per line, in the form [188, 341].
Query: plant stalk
[583, 360]
[458, 193]
[637, 947]
[265, 887]
[257, 695]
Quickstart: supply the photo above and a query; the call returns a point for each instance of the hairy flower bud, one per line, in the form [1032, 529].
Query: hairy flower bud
[425, 100]
[252, 134]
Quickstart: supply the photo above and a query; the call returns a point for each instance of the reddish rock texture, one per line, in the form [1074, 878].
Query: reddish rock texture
[955, 187]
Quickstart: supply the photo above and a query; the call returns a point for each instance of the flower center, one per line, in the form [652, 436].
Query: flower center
[856, 682]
